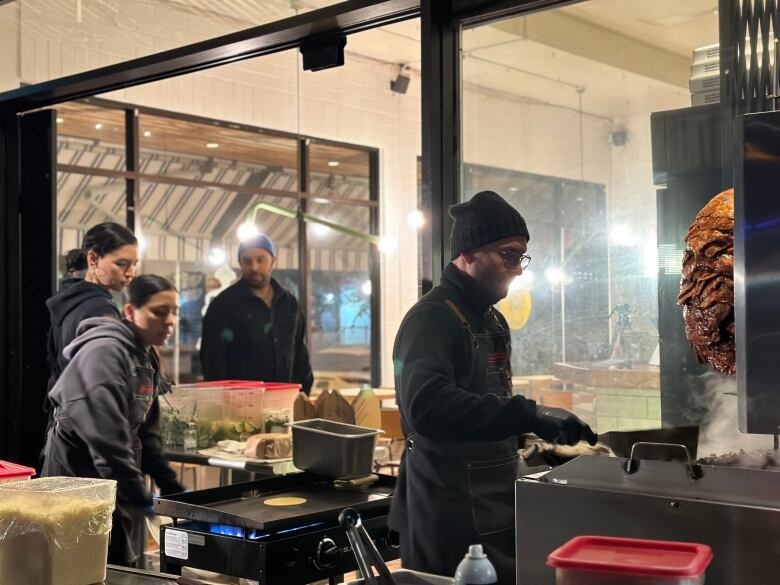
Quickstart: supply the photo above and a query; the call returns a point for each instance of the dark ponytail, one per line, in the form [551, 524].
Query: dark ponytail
[75, 261]
[103, 239]
[144, 287]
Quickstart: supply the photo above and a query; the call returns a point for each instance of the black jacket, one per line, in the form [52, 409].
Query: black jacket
[245, 340]
[78, 300]
[439, 395]
[106, 418]
[461, 424]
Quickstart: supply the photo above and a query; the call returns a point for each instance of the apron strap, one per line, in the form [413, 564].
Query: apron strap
[459, 314]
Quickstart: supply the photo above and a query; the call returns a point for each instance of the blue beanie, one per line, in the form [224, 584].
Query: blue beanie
[259, 241]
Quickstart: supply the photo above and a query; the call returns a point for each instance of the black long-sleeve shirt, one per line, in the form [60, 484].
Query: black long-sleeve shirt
[438, 393]
[244, 339]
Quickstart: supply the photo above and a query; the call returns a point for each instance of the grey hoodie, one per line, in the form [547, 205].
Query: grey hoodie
[107, 415]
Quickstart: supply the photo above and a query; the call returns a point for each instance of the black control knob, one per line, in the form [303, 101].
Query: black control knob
[328, 553]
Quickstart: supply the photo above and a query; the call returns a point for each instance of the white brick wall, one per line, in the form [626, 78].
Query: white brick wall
[9, 46]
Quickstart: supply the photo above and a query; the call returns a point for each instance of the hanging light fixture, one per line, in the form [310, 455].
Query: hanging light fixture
[247, 231]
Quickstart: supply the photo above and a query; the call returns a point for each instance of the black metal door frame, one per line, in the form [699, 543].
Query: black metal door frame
[28, 207]
[442, 142]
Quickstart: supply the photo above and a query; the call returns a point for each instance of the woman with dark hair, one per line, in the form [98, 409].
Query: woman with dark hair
[109, 255]
[106, 409]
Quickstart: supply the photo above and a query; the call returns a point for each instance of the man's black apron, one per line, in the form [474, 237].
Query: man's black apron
[462, 493]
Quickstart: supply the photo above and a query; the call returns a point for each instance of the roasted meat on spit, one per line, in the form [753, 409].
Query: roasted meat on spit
[707, 284]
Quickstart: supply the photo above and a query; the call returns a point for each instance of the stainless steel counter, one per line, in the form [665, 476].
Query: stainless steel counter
[122, 576]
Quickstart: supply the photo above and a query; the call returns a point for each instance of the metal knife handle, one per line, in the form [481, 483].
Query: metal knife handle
[633, 464]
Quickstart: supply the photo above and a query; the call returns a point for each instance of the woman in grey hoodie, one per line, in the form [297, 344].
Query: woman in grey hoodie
[106, 412]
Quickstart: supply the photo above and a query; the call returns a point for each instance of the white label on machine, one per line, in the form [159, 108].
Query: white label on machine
[176, 544]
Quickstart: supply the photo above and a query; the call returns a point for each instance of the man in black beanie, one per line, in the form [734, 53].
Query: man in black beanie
[453, 383]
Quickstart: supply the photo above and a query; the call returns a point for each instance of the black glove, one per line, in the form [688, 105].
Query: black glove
[557, 425]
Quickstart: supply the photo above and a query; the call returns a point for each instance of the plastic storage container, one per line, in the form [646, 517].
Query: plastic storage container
[12, 472]
[220, 410]
[54, 530]
[226, 409]
[601, 560]
[279, 401]
[332, 449]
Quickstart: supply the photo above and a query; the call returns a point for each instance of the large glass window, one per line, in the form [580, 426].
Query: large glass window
[199, 134]
[556, 117]
[340, 293]
[196, 182]
[90, 140]
[189, 235]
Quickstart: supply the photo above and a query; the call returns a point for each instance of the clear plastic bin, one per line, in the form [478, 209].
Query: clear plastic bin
[221, 411]
[12, 472]
[601, 560]
[54, 530]
[279, 401]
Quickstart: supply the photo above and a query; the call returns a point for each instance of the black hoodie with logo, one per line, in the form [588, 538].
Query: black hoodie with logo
[78, 300]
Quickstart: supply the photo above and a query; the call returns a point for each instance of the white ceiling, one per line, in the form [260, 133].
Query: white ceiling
[503, 62]
[675, 25]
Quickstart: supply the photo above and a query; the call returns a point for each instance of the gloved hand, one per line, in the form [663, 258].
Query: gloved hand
[557, 425]
[149, 511]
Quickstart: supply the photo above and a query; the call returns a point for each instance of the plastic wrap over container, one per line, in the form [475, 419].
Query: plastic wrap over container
[55, 530]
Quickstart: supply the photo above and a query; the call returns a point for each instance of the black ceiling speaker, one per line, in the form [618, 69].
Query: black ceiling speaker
[400, 84]
[323, 53]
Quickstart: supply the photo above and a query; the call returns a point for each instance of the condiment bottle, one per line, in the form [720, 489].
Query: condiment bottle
[191, 437]
[475, 568]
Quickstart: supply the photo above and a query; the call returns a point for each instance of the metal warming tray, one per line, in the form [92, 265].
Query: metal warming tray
[333, 449]
[621, 442]
[735, 511]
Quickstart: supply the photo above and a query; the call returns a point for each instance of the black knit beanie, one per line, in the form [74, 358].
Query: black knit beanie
[485, 219]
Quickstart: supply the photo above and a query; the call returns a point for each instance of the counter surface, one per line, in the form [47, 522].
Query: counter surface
[122, 576]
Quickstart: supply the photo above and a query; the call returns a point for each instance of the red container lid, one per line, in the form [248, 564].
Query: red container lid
[630, 556]
[281, 386]
[231, 383]
[12, 470]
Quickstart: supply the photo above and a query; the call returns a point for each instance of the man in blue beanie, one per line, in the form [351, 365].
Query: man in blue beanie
[255, 329]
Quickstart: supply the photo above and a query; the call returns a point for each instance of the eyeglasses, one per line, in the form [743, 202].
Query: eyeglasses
[512, 259]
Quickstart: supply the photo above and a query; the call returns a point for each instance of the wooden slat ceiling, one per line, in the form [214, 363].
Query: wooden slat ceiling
[182, 136]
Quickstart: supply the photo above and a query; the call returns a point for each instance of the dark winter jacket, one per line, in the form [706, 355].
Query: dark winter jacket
[244, 339]
[106, 417]
[78, 300]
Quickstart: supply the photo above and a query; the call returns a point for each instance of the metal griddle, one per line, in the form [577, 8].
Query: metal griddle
[241, 505]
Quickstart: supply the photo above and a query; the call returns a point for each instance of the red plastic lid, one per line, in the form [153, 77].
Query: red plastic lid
[229, 383]
[250, 384]
[12, 470]
[280, 386]
[630, 556]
